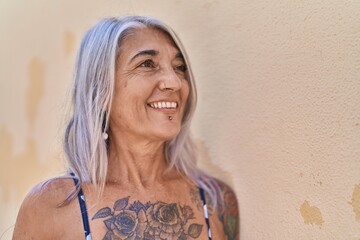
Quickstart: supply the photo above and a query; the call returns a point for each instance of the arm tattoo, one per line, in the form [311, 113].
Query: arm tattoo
[229, 214]
[149, 221]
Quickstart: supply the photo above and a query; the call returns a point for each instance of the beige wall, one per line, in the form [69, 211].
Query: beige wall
[279, 103]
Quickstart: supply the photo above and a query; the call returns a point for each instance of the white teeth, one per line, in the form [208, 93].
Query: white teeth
[163, 105]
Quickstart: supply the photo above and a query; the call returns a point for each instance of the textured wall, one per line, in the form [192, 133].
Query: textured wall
[279, 103]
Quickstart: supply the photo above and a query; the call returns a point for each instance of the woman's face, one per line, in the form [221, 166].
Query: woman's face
[151, 88]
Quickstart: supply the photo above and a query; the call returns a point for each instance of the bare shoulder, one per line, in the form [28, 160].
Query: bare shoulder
[228, 211]
[36, 217]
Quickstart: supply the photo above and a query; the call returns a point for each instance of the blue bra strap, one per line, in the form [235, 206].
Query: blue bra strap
[84, 214]
[206, 215]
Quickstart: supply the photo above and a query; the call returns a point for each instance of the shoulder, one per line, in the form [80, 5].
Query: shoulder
[227, 210]
[39, 208]
[226, 194]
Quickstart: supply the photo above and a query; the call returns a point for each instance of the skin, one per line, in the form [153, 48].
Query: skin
[149, 69]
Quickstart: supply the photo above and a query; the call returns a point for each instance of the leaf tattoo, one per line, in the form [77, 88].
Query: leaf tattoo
[104, 212]
[121, 203]
[194, 230]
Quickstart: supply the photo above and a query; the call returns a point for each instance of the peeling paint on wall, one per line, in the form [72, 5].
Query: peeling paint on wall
[311, 214]
[17, 170]
[23, 166]
[35, 90]
[355, 202]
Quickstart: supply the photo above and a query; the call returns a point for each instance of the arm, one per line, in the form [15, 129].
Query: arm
[229, 212]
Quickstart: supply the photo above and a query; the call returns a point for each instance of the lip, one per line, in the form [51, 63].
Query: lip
[165, 110]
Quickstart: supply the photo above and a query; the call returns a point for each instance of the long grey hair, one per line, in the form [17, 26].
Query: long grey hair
[94, 82]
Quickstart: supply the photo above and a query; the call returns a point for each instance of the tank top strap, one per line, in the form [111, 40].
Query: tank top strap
[83, 209]
[206, 215]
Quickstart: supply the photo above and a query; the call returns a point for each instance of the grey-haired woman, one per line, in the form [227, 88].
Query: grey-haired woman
[132, 171]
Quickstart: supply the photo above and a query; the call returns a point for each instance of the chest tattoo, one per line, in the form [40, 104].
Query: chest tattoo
[150, 221]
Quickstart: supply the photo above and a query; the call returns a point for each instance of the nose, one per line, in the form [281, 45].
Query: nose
[169, 80]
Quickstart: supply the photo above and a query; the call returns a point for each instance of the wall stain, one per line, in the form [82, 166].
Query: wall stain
[19, 170]
[35, 90]
[311, 214]
[355, 202]
[69, 42]
[315, 178]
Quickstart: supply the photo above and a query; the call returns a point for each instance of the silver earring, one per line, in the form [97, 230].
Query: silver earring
[170, 118]
[105, 135]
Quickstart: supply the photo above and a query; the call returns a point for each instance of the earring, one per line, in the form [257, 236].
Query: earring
[105, 135]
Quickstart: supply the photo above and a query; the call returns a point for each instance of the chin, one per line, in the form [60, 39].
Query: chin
[168, 134]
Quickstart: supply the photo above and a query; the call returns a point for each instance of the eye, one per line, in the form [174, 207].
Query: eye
[181, 68]
[148, 64]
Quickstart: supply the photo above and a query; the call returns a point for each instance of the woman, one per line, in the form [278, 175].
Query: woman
[131, 159]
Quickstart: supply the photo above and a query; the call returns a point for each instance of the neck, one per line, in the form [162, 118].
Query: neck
[137, 163]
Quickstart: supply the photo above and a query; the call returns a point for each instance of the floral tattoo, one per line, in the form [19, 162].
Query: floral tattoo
[149, 221]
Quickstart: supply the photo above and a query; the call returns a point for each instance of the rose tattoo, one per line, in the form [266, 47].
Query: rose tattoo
[150, 221]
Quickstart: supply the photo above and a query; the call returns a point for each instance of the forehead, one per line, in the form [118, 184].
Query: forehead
[147, 39]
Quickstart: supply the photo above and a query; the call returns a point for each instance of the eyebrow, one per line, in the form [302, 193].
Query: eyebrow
[180, 55]
[153, 53]
[144, 53]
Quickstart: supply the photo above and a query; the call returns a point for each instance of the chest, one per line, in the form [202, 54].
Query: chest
[130, 216]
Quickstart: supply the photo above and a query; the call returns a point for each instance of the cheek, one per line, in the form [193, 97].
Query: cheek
[185, 91]
[119, 104]
[128, 102]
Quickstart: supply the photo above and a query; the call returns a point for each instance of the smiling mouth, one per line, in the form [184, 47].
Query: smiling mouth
[163, 105]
